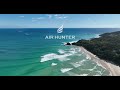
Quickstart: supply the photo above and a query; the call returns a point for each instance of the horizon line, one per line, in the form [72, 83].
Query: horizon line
[56, 27]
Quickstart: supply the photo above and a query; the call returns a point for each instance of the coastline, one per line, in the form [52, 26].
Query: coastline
[113, 69]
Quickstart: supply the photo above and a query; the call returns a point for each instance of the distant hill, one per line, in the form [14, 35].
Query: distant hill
[106, 47]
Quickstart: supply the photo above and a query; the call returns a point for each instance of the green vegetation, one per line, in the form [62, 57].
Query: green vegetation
[106, 47]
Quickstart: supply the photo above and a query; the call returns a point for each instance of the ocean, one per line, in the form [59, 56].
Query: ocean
[26, 52]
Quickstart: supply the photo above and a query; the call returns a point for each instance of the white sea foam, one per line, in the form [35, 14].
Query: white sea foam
[53, 64]
[61, 51]
[99, 64]
[63, 56]
[79, 49]
[72, 42]
[83, 75]
[82, 52]
[74, 50]
[78, 64]
[72, 74]
[99, 72]
[97, 75]
[81, 62]
[48, 57]
[97, 35]
[90, 69]
[88, 57]
[63, 70]
[52, 56]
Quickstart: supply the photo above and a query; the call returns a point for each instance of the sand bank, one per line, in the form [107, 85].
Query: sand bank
[113, 69]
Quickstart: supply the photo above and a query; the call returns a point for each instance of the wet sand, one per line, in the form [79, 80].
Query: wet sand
[113, 69]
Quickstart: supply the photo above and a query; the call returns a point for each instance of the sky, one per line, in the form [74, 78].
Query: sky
[56, 20]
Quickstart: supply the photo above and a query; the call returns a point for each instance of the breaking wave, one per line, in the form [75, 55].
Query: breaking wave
[53, 56]
[63, 70]
[62, 56]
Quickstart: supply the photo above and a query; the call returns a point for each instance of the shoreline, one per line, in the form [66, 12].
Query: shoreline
[113, 69]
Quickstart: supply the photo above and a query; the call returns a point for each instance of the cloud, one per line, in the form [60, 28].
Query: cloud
[37, 19]
[50, 16]
[22, 16]
[41, 18]
[56, 15]
[65, 17]
[60, 16]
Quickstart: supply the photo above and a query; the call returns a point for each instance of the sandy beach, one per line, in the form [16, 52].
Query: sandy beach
[113, 69]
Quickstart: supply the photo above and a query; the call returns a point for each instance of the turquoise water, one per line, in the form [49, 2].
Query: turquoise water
[26, 52]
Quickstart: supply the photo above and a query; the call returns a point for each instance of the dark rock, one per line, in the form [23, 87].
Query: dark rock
[68, 43]
[74, 43]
